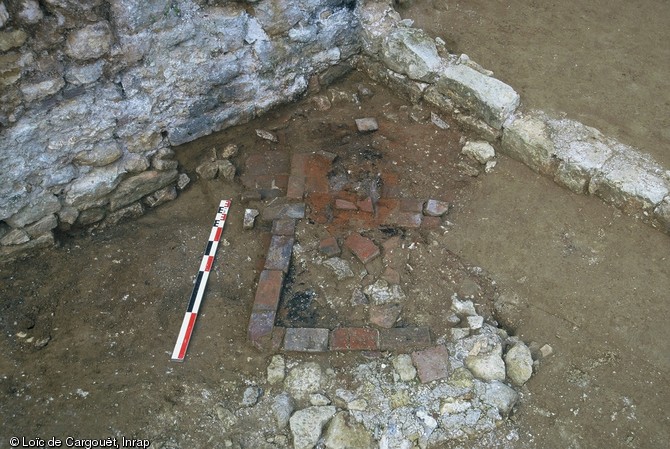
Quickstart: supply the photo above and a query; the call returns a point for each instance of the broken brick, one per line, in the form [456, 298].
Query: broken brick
[407, 219]
[411, 205]
[295, 189]
[329, 247]
[345, 205]
[432, 363]
[365, 205]
[385, 315]
[277, 338]
[362, 247]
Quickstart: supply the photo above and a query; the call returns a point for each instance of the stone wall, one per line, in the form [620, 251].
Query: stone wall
[93, 93]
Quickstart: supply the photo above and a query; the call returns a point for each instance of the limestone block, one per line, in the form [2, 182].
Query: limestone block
[527, 139]
[42, 226]
[4, 15]
[84, 74]
[137, 186]
[487, 98]
[411, 52]
[89, 42]
[100, 155]
[39, 206]
[94, 185]
[36, 91]
[630, 180]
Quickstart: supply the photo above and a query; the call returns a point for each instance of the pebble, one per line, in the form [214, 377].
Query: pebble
[251, 396]
[546, 350]
[276, 370]
[367, 124]
[519, 363]
[267, 135]
[249, 218]
[403, 365]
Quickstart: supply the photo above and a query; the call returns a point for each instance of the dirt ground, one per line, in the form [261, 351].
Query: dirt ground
[603, 62]
[88, 328]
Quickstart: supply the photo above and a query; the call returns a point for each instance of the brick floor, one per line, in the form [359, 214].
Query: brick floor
[362, 247]
[295, 189]
[354, 339]
[432, 363]
[277, 211]
[365, 205]
[279, 253]
[404, 338]
[268, 291]
[407, 219]
[411, 205]
[345, 205]
[303, 339]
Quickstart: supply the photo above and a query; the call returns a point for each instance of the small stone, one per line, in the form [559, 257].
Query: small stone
[341, 267]
[546, 351]
[459, 333]
[358, 297]
[227, 418]
[437, 121]
[207, 170]
[321, 103]
[161, 196]
[519, 364]
[282, 408]
[251, 396]
[382, 293]
[318, 399]
[249, 218]
[466, 308]
[345, 433]
[267, 135]
[480, 151]
[501, 396]
[226, 170]
[359, 404]
[89, 42]
[182, 181]
[367, 124]
[404, 367]
[436, 208]
[307, 424]
[487, 366]
[490, 165]
[15, 237]
[468, 169]
[276, 370]
[475, 322]
[229, 151]
[304, 380]
[364, 91]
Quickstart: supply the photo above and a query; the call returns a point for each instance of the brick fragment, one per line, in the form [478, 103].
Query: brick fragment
[411, 205]
[283, 226]
[303, 339]
[431, 363]
[404, 338]
[407, 219]
[268, 291]
[365, 205]
[391, 276]
[291, 210]
[385, 315]
[362, 247]
[279, 253]
[295, 189]
[345, 205]
[354, 339]
[277, 338]
[329, 247]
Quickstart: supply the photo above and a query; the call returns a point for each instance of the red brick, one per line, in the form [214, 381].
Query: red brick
[432, 363]
[260, 328]
[362, 247]
[283, 226]
[365, 205]
[345, 205]
[404, 338]
[296, 187]
[385, 315]
[279, 253]
[354, 339]
[298, 163]
[411, 205]
[329, 247]
[268, 291]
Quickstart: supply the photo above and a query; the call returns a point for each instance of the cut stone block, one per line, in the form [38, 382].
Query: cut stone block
[527, 139]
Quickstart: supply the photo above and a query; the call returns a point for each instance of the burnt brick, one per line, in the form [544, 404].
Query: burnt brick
[329, 247]
[303, 339]
[279, 253]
